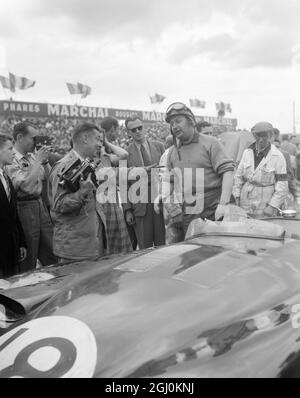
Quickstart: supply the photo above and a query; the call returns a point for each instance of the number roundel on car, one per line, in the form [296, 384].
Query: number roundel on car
[56, 346]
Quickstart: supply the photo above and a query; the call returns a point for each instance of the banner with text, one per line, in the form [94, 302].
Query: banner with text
[34, 109]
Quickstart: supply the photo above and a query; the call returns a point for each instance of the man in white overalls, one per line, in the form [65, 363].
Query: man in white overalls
[261, 182]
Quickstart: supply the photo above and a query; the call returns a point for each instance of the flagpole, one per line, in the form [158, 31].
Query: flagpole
[294, 117]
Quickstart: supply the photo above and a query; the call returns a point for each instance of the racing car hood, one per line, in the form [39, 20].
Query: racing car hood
[155, 313]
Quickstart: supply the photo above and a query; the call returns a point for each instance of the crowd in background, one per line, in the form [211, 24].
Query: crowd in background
[60, 130]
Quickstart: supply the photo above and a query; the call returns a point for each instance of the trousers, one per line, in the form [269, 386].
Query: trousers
[38, 230]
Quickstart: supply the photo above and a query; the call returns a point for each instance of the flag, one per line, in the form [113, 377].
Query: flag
[5, 82]
[197, 103]
[84, 90]
[73, 88]
[27, 83]
[157, 98]
[21, 83]
[228, 108]
[223, 107]
[220, 107]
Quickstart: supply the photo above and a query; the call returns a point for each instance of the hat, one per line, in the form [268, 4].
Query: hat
[177, 109]
[262, 127]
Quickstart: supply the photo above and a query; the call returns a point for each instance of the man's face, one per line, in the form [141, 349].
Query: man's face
[294, 140]
[6, 153]
[26, 142]
[114, 132]
[136, 131]
[182, 128]
[263, 139]
[207, 130]
[93, 143]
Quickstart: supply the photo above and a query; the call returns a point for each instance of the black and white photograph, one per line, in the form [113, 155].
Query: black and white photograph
[150, 191]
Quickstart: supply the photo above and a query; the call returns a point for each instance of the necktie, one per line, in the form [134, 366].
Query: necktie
[8, 186]
[145, 156]
[5, 183]
[25, 161]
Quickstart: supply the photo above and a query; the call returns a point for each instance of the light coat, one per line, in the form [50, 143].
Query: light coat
[77, 227]
[267, 184]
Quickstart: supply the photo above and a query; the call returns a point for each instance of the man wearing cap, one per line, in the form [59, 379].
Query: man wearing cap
[261, 182]
[197, 154]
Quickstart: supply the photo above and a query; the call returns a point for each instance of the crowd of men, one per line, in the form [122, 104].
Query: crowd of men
[61, 128]
[48, 216]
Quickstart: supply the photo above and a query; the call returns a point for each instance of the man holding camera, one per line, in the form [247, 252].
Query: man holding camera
[78, 233]
[27, 173]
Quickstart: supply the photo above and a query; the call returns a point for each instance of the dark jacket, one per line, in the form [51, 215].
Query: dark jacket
[135, 160]
[11, 233]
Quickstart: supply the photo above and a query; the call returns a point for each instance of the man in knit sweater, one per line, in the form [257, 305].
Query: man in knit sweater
[206, 172]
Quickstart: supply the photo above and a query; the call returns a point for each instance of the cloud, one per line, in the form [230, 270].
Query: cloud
[126, 19]
[217, 47]
[269, 49]
[262, 35]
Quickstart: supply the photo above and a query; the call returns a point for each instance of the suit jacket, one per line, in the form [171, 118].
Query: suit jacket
[135, 160]
[11, 233]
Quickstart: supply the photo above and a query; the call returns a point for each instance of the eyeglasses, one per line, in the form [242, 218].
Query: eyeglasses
[136, 129]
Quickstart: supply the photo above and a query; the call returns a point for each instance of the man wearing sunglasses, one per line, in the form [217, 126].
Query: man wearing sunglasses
[149, 227]
[261, 181]
[195, 152]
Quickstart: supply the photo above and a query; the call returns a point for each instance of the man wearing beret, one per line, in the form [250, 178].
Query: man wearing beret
[261, 181]
[199, 159]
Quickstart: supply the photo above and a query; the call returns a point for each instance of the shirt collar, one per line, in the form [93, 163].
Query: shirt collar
[145, 144]
[263, 152]
[79, 156]
[18, 155]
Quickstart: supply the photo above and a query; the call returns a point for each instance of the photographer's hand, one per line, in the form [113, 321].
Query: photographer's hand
[87, 187]
[42, 154]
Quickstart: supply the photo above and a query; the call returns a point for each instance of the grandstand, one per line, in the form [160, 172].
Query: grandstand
[58, 120]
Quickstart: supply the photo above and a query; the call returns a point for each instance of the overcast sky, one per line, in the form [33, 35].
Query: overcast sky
[242, 52]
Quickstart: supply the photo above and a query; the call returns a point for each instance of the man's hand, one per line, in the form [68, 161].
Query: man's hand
[86, 187]
[130, 219]
[220, 212]
[151, 166]
[103, 151]
[269, 211]
[157, 204]
[22, 254]
[42, 154]
[177, 219]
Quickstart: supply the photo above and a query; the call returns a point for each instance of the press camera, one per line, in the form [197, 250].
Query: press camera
[70, 178]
